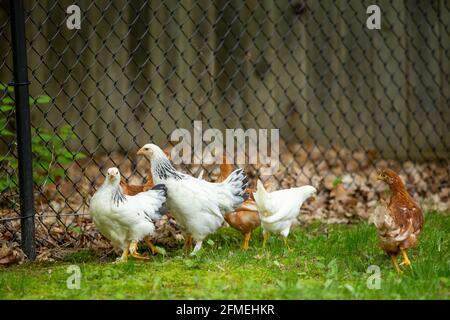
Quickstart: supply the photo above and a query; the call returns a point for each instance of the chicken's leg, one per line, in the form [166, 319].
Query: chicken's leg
[265, 237]
[394, 261]
[124, 256]
[198, 246]
[187, 242]
[151, 246]
[133, 251]
[287, 244]
[247, 237]
[406, 261]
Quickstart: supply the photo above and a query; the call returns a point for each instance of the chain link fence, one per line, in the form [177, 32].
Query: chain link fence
[345, 98]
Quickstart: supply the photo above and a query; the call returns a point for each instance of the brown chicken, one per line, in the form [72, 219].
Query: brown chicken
[133, 189]
[399, 222]
[245, 218]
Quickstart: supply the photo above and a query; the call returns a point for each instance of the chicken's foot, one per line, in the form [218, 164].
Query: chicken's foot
[247, 237]
[187, 243]
[124, 256]
[265, 237]
[198, 246]
[287, 244]
[394, 261]
[133, 251]
[151, 246]
[406, 261]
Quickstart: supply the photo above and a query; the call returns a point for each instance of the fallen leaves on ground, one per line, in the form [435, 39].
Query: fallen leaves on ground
[346, 180]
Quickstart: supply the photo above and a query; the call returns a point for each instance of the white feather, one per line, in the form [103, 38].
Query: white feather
[197, 205]
[126, 218]
[279, 209]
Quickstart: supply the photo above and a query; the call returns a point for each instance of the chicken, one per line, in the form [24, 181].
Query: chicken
[279, 209]
[197, 205]
[245, 218]
[398, 223]
[126, 220]
[133, 189]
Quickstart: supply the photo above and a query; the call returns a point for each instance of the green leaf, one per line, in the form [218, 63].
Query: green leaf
[7, 158]
[44, 99]
[337, 181]
[76, 230]
[3, 129]
[59, 172]
[64, 160]
[4, 87]
[6, 108]
[45, 137]
[6, 133]
[7, 100]
[66, 133]
[210, 242]
[79, 156]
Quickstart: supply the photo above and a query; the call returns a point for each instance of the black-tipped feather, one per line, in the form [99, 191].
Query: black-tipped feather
[161, 187]
[118, 197]
[239, 175]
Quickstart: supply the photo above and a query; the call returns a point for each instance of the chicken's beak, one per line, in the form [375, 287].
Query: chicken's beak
[140, 152]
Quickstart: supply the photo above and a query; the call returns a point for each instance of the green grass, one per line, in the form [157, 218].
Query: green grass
[327, 262]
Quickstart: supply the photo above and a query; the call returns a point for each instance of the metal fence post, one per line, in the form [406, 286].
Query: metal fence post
[23, 128]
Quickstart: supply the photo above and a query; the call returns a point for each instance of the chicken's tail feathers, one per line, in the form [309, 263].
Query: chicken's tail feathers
[260, 187]
[260, 194]
[238, 182]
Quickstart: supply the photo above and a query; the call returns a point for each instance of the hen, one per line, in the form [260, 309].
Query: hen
[245, 218]
[126, 220]
[279, 209]
[133, 189]
[197, 205]
[400, 222]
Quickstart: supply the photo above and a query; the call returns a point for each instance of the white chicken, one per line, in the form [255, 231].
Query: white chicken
[279, 209]
[126, 220]
[197, 205]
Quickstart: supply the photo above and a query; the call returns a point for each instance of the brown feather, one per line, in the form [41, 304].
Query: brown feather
[132, 189]
[406, 215]
[242, 220]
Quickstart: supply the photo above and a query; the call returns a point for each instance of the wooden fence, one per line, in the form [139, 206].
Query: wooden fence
[138, 69]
